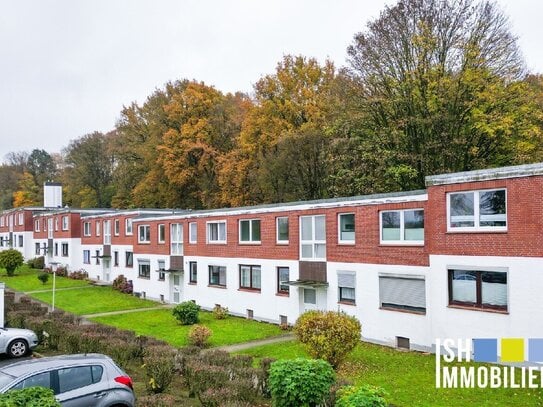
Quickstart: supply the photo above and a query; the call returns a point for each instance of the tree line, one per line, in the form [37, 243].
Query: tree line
[429, 87]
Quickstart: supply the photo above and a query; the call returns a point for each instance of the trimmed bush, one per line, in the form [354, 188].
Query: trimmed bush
[361, 396]
[300, 382]
[186, 313]
[43, 277]
[30, 397]
[122, 284]
[11, 259]
[220, 312]
[328, 335]
[159, 369]
[79, 275]
[36, 263]
[198, 335]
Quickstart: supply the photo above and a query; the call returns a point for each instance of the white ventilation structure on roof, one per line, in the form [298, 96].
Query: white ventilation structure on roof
[52, 195]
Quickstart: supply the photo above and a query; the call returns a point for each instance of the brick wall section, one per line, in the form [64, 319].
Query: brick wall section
[524, 236]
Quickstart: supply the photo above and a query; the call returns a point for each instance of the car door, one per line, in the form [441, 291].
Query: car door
[3, 341]
[82, 386]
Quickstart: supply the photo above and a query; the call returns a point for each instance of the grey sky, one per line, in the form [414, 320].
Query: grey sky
[68, 66]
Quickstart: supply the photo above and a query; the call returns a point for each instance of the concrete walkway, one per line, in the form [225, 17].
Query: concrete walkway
[126, 311]
[57, 289]
[253, 344]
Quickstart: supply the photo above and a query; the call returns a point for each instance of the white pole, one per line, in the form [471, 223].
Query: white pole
[2, 286]
[54, 285]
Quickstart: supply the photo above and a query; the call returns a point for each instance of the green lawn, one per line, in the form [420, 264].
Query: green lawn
[408, 377]
[162, 325]
[26, 279]
[92, 300]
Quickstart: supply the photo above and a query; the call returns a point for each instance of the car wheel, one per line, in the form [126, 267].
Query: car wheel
[17, 348]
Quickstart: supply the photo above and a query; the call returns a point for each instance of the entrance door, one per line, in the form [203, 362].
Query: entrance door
[106, 268]
[176, 288]
[309, 299]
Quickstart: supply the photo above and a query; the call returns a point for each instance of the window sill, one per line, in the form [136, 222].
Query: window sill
[346, 243]
[256, 243]
[282, 294]
[468, 308]
[455, 231]
[351, 303]
[129, 267]
[219, 242]
[144, 278]
[250, 290]
[401, 244]
[282, 243]
[217, 286]
[194, 283]
[144, 242]
[405, 311]
[161, 242]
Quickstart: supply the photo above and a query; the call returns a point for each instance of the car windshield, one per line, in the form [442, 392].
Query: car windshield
[5, 379]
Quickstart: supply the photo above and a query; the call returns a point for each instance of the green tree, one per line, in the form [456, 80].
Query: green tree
[11, 259]
[439, 86]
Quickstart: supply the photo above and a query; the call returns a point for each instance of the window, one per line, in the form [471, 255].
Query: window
[76, 377]
[216, 232]
[37, 225]
[313, 237]
[40, 379]
[217, 276]
[477, 210]
[249, 277]
[2, 221]
[97, 226]
[193, 268]
[193, 232]
[346, 283]
[144, 234]
[20, 240]
[21, 219]
[86, 229]
[144, 269]
[129, 259]
[56, 249]
[249, 231]
[107, 232]
[346, 228]
[161, 268]
[161, 233]
[405, 226]
[310, 296]
[116, 259]
[97, 256]
[37, 250]
[65, 223]
[176, 239]
[405, 293]
[282, 230]
[128, 227]
[478, 289]
[283, 275]
[86, 256]
[116, 227]
[56, 223]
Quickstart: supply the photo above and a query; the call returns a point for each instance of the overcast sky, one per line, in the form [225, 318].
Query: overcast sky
[67, 67]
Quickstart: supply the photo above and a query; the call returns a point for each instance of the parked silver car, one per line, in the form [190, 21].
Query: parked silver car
[17, 342]
[77, 380]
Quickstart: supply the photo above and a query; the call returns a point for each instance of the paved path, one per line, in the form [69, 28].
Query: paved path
[259, 342]
[126, 311]
[58, 289]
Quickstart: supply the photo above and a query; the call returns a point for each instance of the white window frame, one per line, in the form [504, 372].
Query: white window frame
[65, 222]
[21, 219]
[476, 212]
[250, 241]
[147, 233]
[2, 221]
[402, 240]
[312, 241]
[37, 225]
[208, 226]
[128, 227]
[277, 240]
[86, 228]
[49, 228]
[116, 227]
[339, 239]
[56, 223]
[97, 226]
[193, 237]
[107, 232]
[176, 239]
[163, 227]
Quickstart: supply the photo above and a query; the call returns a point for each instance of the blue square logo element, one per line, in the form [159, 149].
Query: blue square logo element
[485, 350]
[535, 350]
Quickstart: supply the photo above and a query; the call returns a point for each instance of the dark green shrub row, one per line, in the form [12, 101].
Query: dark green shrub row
[31, 397]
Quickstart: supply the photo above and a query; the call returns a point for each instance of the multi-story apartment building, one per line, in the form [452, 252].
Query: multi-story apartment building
[462, 258]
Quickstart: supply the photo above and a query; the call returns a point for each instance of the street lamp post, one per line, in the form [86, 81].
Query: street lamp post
[54, 270]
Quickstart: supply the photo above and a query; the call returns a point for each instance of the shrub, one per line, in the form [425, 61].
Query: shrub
[361, 396]
[157, 400]
[36, 263]
[328, 335]
[30, 397]
[122, 284]
[300, 382]
[186, 313]
[11, 259]
[62, 271]
[220, 312]
[79, 275]
[159, 369]
[198, 335]
[43, 277]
